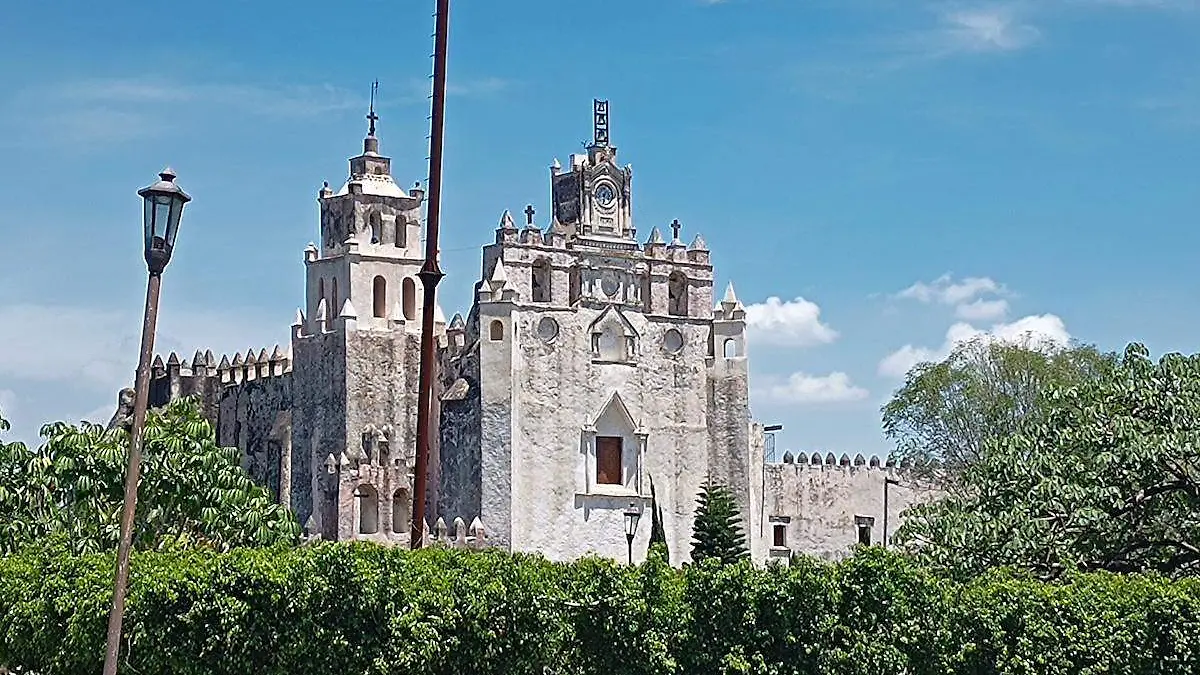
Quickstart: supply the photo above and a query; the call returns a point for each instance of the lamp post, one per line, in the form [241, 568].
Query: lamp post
[163, 208]
[887, 481]
[631, 521]
[430, 275]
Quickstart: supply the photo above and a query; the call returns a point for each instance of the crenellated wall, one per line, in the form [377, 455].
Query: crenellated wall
[248, 400]
[821, 502]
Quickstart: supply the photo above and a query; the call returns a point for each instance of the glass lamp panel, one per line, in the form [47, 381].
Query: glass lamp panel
[162, 219]
[148, 222]
[173, 220]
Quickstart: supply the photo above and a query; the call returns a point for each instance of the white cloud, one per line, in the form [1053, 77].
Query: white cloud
[1045, 330]
[795, 323]
[945, 290]
[803, 388]
[993, 29]
[902, 360]
[973, 298]
[982, 310]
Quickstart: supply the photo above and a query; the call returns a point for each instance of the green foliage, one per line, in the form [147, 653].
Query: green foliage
[717, 531]
[946, 412]
[1107, 479]
[69, 492]
[362, 608]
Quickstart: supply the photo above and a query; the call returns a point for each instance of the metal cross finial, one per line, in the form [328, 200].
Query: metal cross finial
[371, 116]
[675, 228]
[529, 214]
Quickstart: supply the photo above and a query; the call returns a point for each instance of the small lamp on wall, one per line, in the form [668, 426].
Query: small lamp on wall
[632, 515]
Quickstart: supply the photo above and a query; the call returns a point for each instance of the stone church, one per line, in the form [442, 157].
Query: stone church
[596, 371]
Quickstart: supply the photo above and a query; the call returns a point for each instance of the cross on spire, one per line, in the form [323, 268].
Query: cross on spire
[675, 228]
[529, 214]
[371, 116]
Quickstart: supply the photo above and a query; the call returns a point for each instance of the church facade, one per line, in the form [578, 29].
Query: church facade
[597, 371]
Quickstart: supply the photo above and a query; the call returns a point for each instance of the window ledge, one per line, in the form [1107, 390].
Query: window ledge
[609, 491]
[613, 362]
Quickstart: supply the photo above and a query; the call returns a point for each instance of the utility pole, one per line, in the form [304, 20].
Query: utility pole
[430, 273]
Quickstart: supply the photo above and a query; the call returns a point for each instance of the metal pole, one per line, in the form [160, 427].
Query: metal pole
[629, 539]
[430, 273]
[140, 403]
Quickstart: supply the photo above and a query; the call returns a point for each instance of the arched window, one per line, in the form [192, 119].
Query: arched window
[647, 297]
[540, 278]
[376, 227]
[368, 509]
[576, 285]
[400, 233]
[730, 348]
[320, 292]
[335, 309]
[677, 291]
[409, 298]
[379, 297]
[496, 330]
[401, 512]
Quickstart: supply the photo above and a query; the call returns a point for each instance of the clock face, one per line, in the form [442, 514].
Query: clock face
[604, 194]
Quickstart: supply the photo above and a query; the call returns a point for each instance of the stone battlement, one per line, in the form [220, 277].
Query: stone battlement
[655, 247]
[816, 460]
[235, 370]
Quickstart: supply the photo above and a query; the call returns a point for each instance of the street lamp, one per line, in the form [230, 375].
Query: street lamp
[631, 521]
[887, 481]
[163, 202]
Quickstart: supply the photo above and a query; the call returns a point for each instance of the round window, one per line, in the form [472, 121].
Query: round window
[547, 329]
[673, 341]
[610, 285]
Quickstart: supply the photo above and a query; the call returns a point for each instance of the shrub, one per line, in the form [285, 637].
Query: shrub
[361, 608]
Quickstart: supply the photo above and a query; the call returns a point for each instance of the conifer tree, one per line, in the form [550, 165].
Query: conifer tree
[717, 532]
[658, 535]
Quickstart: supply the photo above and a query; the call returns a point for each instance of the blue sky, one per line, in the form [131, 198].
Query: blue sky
[896, 174]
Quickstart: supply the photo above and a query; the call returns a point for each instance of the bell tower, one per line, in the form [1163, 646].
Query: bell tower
[356, 348]
[592, 198]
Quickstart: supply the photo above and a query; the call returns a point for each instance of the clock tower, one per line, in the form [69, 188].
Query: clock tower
[591, 199]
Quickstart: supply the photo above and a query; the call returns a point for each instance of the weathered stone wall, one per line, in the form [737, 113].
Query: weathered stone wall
[381, 370]
[729, 431]
[497, 460]
[460, 468]
[818, 499]
[243, 397]
[318, 420]
[248, 416]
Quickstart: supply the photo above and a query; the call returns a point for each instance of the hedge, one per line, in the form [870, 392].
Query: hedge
[361, 608]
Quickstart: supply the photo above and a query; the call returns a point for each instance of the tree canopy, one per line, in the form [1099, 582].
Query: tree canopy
[717, 531]
[191, 491]
[946, 412]
[1107, 477]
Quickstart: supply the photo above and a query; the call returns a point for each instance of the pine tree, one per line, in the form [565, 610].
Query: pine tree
[658, 535]
[717, 532]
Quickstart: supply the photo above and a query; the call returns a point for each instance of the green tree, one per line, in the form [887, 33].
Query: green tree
[945, 413]
[1107, 478]
[191, 491]
[717, 531]
[658, 534]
